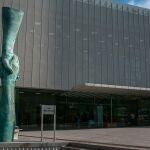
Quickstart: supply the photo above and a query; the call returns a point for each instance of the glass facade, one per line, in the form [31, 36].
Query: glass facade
[80, 111]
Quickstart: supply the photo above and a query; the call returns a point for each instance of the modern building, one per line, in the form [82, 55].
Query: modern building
[90, 58]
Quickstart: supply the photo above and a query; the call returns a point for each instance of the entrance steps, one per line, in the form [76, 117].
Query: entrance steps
[71, 148]
[87, 146]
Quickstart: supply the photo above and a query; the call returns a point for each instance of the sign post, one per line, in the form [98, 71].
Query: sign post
[54, 136]
[41, 125]
[48, 110]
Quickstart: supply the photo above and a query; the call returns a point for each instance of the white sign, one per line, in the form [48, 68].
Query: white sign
[48, 109]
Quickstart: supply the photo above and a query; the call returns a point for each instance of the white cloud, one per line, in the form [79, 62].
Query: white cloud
[145, 4]
[132, 2]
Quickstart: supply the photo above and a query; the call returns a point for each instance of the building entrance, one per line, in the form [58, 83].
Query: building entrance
[80, 115]
[82, 111]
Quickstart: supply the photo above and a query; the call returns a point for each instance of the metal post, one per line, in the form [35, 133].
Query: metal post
[111, 113]
[54, 136]
[41, 124]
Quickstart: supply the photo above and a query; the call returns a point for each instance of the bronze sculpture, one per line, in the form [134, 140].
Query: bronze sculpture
[9, 69]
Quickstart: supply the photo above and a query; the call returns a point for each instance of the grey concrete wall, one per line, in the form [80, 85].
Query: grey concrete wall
[64, 43]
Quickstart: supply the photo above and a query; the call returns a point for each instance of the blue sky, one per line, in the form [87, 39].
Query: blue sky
[140, 3]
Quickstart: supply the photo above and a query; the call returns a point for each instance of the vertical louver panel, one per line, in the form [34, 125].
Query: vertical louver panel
[65, 43]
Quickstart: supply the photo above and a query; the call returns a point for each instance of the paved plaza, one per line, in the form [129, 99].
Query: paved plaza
[123, 136]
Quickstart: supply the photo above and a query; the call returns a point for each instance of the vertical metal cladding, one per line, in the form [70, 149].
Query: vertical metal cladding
[64, 43]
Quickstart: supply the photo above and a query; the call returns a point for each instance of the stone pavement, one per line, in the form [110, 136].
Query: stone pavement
[122, 136]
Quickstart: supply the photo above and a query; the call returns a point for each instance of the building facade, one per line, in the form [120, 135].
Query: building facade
[66, 44]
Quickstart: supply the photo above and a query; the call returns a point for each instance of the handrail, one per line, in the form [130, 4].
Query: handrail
[31, 146]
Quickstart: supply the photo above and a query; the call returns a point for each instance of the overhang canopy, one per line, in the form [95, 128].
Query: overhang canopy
[112, 89]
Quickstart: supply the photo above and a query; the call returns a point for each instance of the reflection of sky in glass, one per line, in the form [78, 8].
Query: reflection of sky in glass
[140, 3]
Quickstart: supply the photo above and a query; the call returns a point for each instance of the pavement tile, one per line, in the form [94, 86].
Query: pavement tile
[126, 136]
